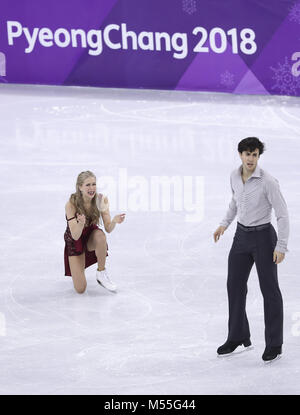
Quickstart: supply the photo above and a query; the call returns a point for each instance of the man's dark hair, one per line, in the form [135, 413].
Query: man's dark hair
[251, 144]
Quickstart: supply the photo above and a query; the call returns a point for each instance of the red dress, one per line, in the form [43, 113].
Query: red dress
[75, 248]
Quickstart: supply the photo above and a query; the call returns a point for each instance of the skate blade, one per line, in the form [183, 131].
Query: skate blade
[111, 291]
[236, 351]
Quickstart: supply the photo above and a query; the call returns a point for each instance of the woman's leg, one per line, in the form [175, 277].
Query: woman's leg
[77, 265]
[97, 242]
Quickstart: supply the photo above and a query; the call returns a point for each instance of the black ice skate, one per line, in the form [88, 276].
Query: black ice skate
[229, 346]
[271, 354]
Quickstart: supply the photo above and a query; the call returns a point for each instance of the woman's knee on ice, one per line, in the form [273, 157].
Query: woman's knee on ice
[80, 288]
[79, 283]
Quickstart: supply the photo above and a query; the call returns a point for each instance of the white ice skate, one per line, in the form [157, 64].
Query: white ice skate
[103, 279]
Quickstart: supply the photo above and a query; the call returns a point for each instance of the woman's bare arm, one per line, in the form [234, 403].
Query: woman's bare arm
[76, 226]
[109, 224]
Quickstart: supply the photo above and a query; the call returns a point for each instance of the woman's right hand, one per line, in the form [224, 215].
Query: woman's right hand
[80, 219]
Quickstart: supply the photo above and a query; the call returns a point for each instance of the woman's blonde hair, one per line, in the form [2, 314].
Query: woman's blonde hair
[76, 199]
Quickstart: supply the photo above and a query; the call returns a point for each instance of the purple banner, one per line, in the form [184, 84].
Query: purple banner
[238, 46]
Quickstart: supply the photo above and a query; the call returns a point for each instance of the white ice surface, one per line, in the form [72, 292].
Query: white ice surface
[159, 333]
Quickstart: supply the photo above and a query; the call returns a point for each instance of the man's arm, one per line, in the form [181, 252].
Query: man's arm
[230, 215]
[231, 212]
[280, 208]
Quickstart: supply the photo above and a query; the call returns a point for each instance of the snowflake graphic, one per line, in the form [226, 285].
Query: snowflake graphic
[189, 6]
[294, 14]
[227, 79]
[285, 82]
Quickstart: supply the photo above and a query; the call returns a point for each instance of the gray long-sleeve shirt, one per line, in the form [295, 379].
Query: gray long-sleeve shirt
[253, 201]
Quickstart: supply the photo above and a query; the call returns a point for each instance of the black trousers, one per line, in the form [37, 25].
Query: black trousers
[251, 245]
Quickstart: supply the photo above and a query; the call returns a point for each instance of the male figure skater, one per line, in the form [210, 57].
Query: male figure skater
[254, 194]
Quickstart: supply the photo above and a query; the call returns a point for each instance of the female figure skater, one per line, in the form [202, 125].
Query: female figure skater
[85, 242]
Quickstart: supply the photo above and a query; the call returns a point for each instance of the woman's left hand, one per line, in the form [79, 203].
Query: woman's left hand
[119, 218]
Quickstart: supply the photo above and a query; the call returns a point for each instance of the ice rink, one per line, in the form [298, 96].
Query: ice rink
[159, 333]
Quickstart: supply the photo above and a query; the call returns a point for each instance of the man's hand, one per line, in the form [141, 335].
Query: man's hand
[219, 232]
[278, 257]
